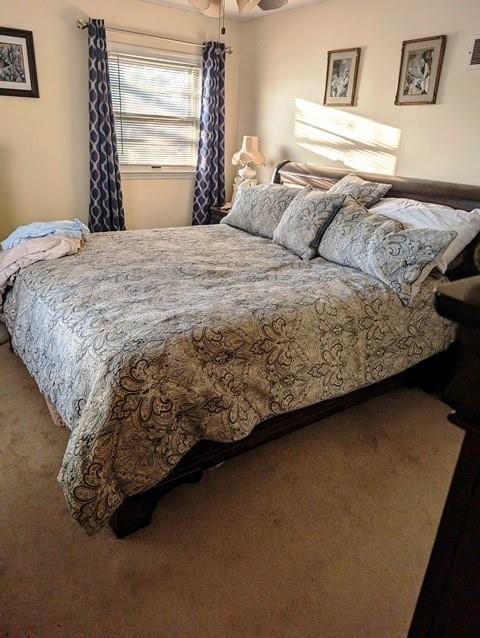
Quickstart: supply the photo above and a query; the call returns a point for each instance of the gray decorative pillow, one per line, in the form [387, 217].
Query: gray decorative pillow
[400, 257]
[367, 193]
[305, 220]
[258, 209]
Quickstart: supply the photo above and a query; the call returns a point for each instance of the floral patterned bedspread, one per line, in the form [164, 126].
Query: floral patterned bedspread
[148, 341]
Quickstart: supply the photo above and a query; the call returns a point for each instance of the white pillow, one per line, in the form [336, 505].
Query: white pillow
[425, 215]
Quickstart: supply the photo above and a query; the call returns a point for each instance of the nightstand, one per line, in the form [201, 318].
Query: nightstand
[217, 213]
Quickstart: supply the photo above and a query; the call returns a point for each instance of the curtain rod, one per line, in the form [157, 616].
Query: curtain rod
[83, 24]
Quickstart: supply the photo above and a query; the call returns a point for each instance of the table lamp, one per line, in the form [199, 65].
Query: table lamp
[248, 157]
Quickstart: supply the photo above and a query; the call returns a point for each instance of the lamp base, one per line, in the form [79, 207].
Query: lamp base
[247, 172]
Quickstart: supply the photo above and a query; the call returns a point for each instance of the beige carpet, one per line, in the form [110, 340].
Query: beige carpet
[322, 534]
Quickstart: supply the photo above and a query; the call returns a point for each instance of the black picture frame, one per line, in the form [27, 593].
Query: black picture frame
[30, 71]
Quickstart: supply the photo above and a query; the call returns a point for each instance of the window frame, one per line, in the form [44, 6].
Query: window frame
[142, 171]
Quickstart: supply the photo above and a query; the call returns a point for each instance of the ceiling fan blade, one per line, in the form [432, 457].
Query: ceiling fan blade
[214, 9]
[244, 6]
[202, 5]
[269, 5]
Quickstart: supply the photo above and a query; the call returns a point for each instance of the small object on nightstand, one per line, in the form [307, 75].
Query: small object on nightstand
[217, 213]
[240, 182]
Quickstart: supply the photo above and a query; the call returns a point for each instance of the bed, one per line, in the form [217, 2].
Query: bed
[168, 351]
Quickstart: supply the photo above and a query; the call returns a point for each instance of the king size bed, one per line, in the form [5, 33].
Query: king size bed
[166, 352]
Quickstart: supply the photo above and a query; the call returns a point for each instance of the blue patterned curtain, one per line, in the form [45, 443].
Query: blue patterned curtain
[210, 175]
[106, 202]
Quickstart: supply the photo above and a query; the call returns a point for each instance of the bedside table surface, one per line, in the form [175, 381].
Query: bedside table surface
[217, 213]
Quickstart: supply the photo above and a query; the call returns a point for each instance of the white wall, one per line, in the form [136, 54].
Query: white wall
[275, 77]
[283, 104]
[44, 142]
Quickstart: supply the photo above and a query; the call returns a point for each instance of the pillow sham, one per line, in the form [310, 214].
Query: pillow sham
[258, 209]
[409, 212]
[367, 193]
[400, 257]
[305, 220]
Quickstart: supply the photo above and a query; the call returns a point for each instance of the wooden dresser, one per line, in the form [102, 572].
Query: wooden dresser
[449, 602]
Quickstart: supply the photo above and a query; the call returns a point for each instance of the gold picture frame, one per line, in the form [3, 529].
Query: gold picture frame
[342, 77]
[420, 68]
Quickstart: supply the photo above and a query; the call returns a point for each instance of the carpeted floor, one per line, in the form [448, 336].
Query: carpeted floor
[322, 534]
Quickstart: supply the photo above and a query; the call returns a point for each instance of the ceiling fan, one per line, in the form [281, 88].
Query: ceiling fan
[215, 8]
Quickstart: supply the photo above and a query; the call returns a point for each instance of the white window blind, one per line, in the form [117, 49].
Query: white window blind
[156, 104]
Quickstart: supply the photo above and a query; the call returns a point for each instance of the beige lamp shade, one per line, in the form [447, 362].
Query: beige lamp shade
[249, 153]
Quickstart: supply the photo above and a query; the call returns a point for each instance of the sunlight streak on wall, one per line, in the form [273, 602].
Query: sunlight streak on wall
[351, 140]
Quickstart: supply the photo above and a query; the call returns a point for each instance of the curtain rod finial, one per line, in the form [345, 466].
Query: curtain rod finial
[81, 23]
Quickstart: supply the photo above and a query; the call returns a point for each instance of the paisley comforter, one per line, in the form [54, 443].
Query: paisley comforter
[148, 341]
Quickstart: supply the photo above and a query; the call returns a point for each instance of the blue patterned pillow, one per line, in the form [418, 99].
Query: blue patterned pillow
[305, 220]
[400, 257]
[258, 209]
[367, 193]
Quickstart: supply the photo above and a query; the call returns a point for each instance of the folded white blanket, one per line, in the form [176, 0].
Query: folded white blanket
[40, 249]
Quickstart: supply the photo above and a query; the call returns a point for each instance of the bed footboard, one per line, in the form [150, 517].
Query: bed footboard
[136, 511]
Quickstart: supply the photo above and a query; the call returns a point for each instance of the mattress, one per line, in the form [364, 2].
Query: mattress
[148, 341]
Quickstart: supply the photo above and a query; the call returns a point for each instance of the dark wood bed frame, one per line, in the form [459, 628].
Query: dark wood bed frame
[136, 511]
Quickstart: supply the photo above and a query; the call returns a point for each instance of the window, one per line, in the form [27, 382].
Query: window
[156, 103]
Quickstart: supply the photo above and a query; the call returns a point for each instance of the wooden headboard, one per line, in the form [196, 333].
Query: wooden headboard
[449, 194]
[460, 196]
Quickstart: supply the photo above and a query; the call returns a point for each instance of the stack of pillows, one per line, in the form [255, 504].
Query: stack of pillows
[398, 241]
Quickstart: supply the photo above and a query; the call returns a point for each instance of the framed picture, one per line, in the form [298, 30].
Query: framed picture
[342, 72]
[18, 75]
[420, 69]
